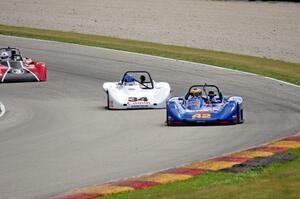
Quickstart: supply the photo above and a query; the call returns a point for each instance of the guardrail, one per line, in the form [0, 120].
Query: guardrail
[2, 109]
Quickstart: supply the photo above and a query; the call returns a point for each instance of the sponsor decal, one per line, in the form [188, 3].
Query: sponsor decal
[138, 103]
[140, 106]
[200, 111]
[204, 110]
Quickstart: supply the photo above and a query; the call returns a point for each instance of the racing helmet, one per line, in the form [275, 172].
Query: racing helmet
[128, 78]
[196, 92]
[4, 55]
[211, 94]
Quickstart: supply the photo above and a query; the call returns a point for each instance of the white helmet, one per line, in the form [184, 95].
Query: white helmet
[4, 55]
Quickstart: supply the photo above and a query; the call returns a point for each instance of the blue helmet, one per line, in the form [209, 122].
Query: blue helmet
[129, 78]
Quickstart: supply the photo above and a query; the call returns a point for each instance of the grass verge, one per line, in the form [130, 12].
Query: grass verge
[289, 72]
[277, 181]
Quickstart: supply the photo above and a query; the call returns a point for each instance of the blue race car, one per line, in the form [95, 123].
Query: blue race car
[204, 104]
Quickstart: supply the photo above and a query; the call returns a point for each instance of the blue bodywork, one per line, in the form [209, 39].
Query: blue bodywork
[203, 109]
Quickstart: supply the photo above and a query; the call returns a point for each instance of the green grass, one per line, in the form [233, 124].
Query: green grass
[285, 71]
[277, 181]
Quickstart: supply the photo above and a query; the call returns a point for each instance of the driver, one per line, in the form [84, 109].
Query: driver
[194, 103]
[4, 56]
[212, 97]
[196, 92]
[129, 79]
[142, 78]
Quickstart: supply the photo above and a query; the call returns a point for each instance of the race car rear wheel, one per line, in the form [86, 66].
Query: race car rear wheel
[241, 116]
[169, 123]
[107, 101]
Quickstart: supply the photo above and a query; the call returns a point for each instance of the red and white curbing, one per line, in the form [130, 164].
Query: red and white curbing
[2, 109]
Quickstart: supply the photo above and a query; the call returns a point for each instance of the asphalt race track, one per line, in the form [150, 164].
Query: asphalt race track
[57, 135]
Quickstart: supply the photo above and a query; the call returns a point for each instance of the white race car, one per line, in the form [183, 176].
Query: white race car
[136, 90]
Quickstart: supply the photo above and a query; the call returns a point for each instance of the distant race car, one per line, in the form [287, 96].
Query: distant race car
[204, 104]
[16, 68]
[136, 90]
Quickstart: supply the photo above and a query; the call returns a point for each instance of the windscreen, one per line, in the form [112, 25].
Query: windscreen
[207, 92]
[142, 78]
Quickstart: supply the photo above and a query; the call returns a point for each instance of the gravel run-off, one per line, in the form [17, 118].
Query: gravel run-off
[254, 28]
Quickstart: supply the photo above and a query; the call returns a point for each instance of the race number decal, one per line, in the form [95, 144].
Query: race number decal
[138, 102]
[135, 99]
[204, 115]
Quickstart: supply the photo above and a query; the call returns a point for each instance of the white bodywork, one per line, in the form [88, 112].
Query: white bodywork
[2, 109]
[135, 96]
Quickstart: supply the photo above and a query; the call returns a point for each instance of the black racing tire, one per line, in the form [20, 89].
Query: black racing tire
[241, 116]
[169, 123]
[108, 101]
